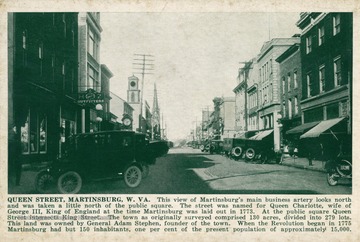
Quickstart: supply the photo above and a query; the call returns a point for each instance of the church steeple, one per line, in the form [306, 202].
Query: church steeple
[156, 134]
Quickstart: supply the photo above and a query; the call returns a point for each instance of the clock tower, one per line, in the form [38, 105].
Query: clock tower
[133, 98]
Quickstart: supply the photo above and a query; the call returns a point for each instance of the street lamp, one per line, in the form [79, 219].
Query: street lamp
[99, 108]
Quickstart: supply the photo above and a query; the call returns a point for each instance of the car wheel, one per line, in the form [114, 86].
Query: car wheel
[250, 154]
[44, 181]
[132, 176]
[237, 151]
[145, 171]
[332, 178]
[69, 183]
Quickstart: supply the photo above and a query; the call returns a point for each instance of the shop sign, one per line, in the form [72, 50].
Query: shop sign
[90, 96]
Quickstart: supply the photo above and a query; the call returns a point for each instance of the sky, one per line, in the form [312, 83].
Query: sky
[196, 56]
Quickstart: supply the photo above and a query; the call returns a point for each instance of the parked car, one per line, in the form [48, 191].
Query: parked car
[235, 147]
[216, 146]
[100, 155]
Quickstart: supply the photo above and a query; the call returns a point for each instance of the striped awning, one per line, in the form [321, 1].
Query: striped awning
[261, 135]
[322, 127]
[302, 128]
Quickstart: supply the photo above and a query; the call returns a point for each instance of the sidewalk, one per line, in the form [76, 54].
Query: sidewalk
[303, 163]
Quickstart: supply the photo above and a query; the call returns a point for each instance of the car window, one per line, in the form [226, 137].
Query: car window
[120, 140]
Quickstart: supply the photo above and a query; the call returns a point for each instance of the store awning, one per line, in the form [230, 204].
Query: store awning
[261, 135]
[302, 128]
[321, 128]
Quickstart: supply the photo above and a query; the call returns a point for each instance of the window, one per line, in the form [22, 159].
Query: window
[41, 56]
[290, 108]
[34, 133]
[322, 78]
[296, 108]
[43, 133]
[295, 80]
[93, 81]
[24, 40]
[308, 85]
[336, 24]
[321, 35]
[41, 49]
[73, 34]
[92, 44]
[25, 135]
[283, 85]
[64, 23]
[308, 45]
[332, 111]
[63, 68]
[288, 82]
[337, 71]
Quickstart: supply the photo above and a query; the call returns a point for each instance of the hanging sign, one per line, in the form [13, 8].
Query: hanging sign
[90, 96]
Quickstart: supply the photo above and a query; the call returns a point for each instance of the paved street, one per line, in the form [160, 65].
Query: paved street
[188, 171]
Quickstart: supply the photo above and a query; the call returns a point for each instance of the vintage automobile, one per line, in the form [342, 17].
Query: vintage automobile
[216, 146]
[234, 147]
[101, 155]
[260, 146]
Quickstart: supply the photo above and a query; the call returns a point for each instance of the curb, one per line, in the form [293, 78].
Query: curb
[305, 167]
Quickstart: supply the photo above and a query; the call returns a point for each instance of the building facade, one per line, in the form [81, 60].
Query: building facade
[269, 108]
[326, 53]
[246, 99]
[89, 66]
[290, 88]
[43, 82]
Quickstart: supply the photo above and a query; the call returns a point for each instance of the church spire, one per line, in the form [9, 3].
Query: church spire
[156, 134]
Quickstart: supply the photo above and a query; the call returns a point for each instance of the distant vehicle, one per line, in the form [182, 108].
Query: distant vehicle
[101, 155]
[216, 146]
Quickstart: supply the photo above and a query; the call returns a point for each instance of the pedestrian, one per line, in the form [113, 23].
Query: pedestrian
[14, 160]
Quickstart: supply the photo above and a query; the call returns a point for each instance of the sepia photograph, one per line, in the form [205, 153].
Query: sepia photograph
[180, 103]
[199, 121]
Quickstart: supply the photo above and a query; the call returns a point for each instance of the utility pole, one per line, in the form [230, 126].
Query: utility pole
[143, 64]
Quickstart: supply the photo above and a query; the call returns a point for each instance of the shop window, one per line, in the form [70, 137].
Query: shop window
[43, 133]
[34, 133]
[25, 135]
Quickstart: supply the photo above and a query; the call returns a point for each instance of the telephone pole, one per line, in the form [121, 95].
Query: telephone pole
[143, 64]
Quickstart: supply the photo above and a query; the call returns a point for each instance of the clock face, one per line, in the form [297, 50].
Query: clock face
[133, 84]
[127, 122]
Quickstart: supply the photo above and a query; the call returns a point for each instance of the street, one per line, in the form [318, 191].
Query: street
[189, 171]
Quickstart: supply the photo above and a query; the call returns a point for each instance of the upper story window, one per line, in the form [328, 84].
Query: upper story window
[308, 44]
[308, 84]
[92, 44]
[283, 85]
[295, 80]
[63, 68]
[64, 23]
[288, 82]
[296, 108]
[337, 71]
[322, 78]
[290, 108]
[321, 35]
[93, 79]
[24, 40]
[336, 24]
[41, 51]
